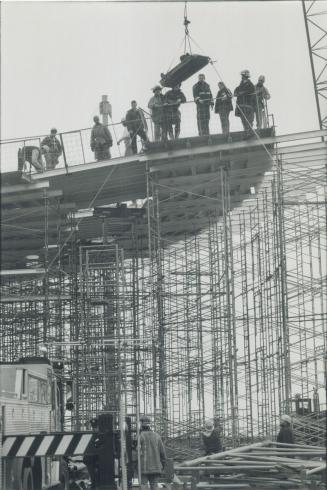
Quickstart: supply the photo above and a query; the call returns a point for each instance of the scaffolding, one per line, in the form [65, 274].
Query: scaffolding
[224, 322]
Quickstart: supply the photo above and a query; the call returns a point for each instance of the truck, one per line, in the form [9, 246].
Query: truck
[30, 405]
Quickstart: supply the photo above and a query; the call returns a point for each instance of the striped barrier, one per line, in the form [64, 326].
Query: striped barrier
[56, 444]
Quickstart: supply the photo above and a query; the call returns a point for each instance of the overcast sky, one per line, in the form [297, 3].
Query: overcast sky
[58, 58]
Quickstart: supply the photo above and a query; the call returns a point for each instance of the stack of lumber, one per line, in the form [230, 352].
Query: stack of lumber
[264, 466]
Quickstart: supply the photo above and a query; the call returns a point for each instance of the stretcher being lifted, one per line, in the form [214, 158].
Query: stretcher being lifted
[189, 64]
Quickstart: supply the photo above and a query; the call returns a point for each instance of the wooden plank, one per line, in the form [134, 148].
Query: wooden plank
[10, 189]
[31, 197]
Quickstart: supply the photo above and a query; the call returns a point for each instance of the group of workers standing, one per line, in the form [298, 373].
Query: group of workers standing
[166, 117]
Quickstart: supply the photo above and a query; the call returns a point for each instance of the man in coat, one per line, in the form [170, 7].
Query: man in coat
[224, 106]
[262, 95]
[203, 99]
[174, 98]
[51, 149]
[152, 455]
[285, 434]
[101, 140]
[157, 106]
[211, 439]
[136, 125]
[245, 102]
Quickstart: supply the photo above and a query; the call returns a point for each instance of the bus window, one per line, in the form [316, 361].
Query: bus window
[32, 389]
[43, 392]
[19, 383]
[8, 379]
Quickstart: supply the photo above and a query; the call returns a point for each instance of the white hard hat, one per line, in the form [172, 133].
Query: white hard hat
[245, 73]
[286, 418]
[208, 424]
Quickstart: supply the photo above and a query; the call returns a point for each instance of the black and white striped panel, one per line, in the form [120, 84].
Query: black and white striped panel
[48, 445]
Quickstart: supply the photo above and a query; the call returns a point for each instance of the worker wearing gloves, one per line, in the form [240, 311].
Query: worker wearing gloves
[203, 99]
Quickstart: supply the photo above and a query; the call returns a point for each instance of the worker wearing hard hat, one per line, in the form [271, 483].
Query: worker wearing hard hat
[211, 439]
[136, 125]
[245, 102]
[262, 95]
[152, 455]
[203, 99]
[285, 434]
[51, 148]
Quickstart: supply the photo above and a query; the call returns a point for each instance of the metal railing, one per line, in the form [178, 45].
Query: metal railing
[76, 144]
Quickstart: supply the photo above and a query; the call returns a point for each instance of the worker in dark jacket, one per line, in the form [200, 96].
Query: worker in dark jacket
[224, 106]
[157, 106]
[203, 99]
[136, 125]
[174, 98]
[51, 149]
[211, 439]
[285, 434]
[152, 455]
[245, 102]
[101, 140]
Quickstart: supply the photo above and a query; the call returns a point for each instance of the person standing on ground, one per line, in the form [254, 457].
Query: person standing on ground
[101, 140]
[203, 99]
[152, 455]
[136, 125]
[174, 99]
[211, 439]
[245, 102]
[285, 434]
[51, 149]
[158, 113]
[262, 95]
[224, 106]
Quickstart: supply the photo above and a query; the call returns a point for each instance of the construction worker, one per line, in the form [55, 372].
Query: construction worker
[211, 439]
[101, 140]
[245, 102]
[136, 125]
[203, 99]
[51, 149]
[152, 455]
[126, 138]
[92, 461]
[157, 106]
[174, 98]
[224, 106]
[32, 155]
[285, 434]
[262, 95]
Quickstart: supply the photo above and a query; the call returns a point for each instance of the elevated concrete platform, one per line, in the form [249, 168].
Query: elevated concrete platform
[186, 174]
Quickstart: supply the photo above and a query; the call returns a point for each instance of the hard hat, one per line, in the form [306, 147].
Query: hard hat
[145, 420]
[156, 87]
[261, 78]
[53, 130]
[208, 424]
[246, 73]
[286, 418]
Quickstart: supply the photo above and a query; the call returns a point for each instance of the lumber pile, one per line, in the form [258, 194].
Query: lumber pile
[262, 466]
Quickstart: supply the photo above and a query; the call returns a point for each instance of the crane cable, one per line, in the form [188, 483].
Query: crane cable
[187, 34]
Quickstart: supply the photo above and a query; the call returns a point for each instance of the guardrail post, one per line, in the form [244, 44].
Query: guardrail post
[63, 153]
